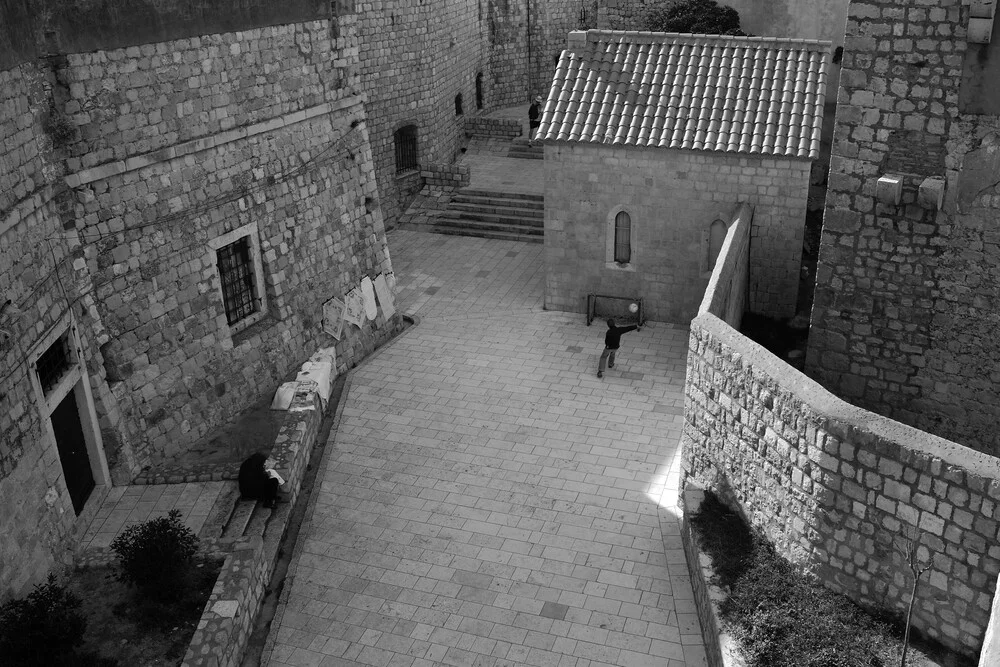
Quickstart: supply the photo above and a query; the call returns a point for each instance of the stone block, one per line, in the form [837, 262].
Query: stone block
[889, 189]
[930, 194]
[980, 30]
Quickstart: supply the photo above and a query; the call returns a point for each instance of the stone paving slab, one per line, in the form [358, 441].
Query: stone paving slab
[135, 503]
[486, 499]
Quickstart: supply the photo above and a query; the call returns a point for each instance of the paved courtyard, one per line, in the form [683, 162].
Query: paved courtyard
[486, 500]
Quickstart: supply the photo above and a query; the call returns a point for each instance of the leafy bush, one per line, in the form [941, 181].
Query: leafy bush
[695, 16]
[781, 616]
[42, 629]
[156, 555]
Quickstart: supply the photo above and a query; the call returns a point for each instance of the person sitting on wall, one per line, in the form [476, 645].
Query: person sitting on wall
[259, 480]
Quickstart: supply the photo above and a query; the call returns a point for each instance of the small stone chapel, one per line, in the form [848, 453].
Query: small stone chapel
[652, 140]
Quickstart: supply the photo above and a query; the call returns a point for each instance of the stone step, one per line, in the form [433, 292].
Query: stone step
[525, 153]
[499, 223]
[258, 520]
[525, 208]
[485, 214]
[221, 512]
[496, 194]
[486, 234]
[240, 519]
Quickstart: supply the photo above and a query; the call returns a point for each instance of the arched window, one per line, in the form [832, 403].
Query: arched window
[405, 139]
[716, 235]
[479, 91]
[623, 238]
[458, 104]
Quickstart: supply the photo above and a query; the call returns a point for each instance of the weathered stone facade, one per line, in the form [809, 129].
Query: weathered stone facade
[837, 488]
[416, 57]
[125, 169]
[906, 308]
[672, 198]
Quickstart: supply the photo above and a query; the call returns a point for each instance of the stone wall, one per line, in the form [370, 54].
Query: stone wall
[838, 489]
[416, 57]
[672, 197]
[121, 167]
[906, 309]
[37, 277]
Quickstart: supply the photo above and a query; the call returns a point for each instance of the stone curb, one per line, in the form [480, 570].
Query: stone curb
[721, 648]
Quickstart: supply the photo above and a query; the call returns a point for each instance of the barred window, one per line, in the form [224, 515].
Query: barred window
[53, 364]
[239, 288]
[405, 139]
[623, 238]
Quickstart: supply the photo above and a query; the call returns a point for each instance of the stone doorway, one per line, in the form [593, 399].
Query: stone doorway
[72, 446]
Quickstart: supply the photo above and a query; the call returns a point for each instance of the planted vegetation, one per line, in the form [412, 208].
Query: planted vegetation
[782, 617]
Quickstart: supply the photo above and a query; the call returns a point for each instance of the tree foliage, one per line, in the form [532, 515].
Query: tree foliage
[706, 17]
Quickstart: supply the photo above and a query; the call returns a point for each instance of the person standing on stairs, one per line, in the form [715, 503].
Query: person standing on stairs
[534, 117]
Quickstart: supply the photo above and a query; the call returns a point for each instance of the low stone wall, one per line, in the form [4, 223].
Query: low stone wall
[446, 175]
[720, 647]
[231, 610]
[725, 296]
[504, 128]
[838, 489]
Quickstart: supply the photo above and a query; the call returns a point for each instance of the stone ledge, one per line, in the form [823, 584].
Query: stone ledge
[85, 176]
[720, 647]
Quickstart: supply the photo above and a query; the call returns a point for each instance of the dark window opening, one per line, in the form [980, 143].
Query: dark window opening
[239, 291]
[479, 91]
[458, 104]
[623, 238]
[405, 139]
[838, 55]
[54, 363]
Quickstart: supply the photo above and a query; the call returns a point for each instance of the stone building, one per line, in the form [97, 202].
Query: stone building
[179, 196]
[651, 141]
[906, 307]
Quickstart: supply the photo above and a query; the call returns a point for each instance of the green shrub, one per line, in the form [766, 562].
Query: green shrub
[42, 629]
[156, 555]
[781, 616]
[694, 16]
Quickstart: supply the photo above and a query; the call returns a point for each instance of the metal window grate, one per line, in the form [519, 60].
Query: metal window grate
[405, 139]
[53, 364]
[239, 291]
[623, 238]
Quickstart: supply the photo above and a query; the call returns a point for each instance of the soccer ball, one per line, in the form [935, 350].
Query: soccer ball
[633, 308]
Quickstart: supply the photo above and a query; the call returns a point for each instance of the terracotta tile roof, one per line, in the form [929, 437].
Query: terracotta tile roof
[757, 95]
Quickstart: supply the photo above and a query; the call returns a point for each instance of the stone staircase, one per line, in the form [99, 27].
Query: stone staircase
[493, 215]
[520, 148]
[232, 518]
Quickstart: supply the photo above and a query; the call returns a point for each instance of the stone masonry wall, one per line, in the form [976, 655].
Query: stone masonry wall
[906, 309]
[118, 167]
[837, 488]
[415, 58]
[39, 276]
[672, 198]
[264, 131]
